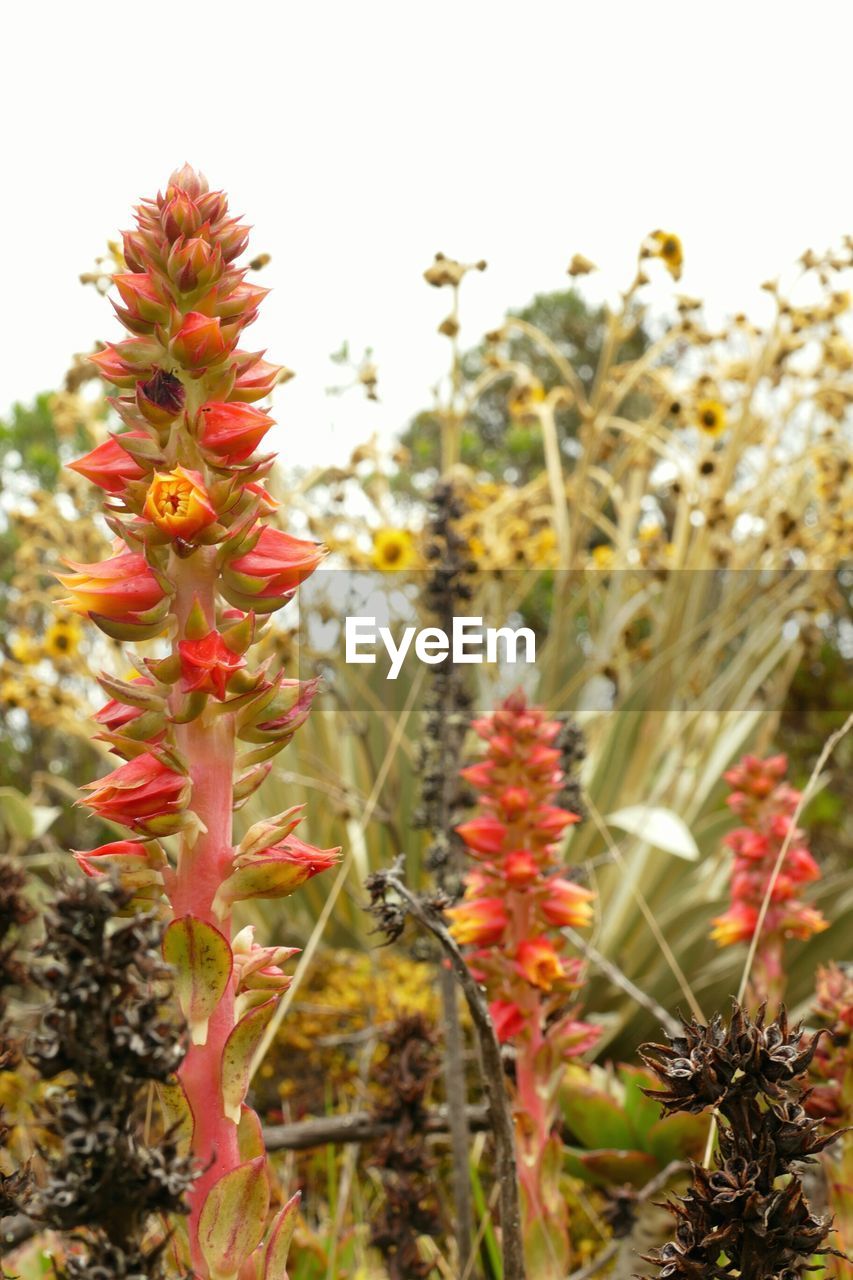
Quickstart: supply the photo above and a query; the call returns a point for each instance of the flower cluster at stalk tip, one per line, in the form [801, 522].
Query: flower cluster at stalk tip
[766, 804]
[197, 564]
[515, 905]
[516, 901]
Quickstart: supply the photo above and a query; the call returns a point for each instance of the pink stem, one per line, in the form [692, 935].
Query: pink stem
[208, 745]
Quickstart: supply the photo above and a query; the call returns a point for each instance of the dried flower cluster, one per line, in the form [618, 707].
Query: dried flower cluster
[765, 804]
[407, 1167]
[748, 1217]
[516, 902]
[105, 1031]
[447, 704]
[15, 913]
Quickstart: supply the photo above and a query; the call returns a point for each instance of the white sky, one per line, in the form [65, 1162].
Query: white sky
[359, 138]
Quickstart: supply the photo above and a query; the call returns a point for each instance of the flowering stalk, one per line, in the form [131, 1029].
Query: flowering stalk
[196, 561]
[765, 803]
[515, 903]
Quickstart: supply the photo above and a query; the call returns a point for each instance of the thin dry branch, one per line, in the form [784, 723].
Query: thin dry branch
[358, 1126]
[500, 1110]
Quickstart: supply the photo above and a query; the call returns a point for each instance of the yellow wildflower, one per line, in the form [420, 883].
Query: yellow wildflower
[62, 639]
[24, 648]
[670, 251]
[602, 556]
[12, 694]
[524, 398]
[393, 549]
[711, 417]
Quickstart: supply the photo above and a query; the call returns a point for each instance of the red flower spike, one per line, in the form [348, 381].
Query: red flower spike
[513, 898]
[766, 805]
[191, 479]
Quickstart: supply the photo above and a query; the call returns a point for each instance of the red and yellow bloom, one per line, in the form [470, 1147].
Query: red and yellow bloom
[121, 588]
[178, 503]
[208, 664]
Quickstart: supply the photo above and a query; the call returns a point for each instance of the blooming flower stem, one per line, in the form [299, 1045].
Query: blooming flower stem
[200, 564]
[516, 901]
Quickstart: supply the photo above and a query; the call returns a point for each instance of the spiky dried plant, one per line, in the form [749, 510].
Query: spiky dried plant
[748, 1217]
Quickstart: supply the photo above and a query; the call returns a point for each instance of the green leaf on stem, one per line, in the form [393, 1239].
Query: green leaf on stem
[237, 1057]
[233, 1218]
[203, 964]
[278, 1244]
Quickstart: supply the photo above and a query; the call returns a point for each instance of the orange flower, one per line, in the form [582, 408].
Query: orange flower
[120, 588]
[179, 504]
[567, 904]
[479, 922]
[538, 962]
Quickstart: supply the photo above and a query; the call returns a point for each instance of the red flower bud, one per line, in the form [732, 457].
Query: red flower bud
[567, 904]
[97, 862]
[277, 564]
[256, 379]
[199, 342]
[180, 217]
[520, 868]
[483, 835]
[552, 821]
[114, 715]
[514, 800]
[233, 431]
[123, 363]
[109, 466]
[138, 792]
[479, 775]
[479, 922]
[194, 264]
[120, 588]
[275, 872]
[538, 962]
[208, 664]
[142, 298]
[508, 1019]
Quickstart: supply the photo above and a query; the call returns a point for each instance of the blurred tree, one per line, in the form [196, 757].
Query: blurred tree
[495, 440]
